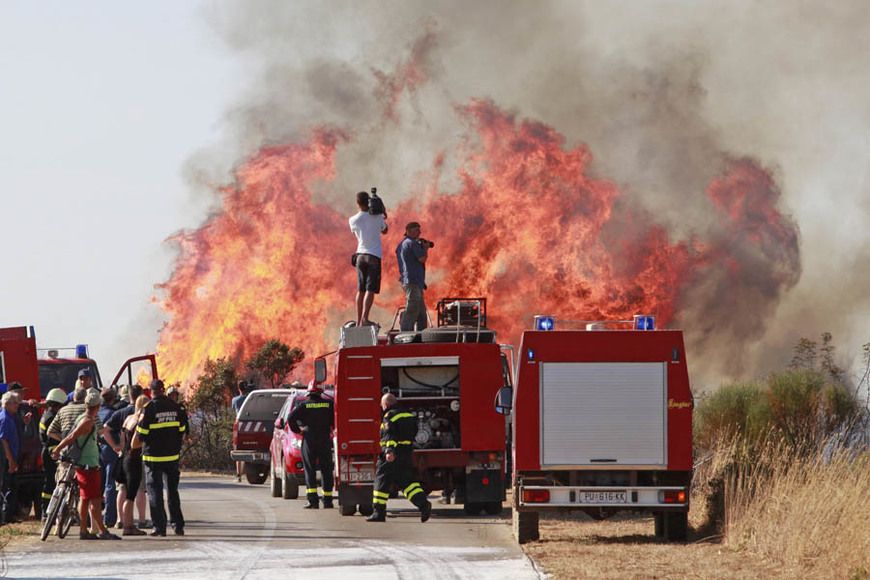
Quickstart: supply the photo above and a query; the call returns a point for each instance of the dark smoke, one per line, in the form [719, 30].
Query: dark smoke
[646, 88]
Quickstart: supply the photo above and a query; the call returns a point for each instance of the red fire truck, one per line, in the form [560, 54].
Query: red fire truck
[448, 376]
[602, 422]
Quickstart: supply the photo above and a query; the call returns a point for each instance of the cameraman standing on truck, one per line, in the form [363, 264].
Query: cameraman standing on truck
[368, 226]
[411, 253]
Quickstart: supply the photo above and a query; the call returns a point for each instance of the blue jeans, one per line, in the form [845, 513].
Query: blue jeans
[108, 459]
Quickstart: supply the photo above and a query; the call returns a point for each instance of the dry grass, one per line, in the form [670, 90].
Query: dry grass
[10, 532]
[808, 513]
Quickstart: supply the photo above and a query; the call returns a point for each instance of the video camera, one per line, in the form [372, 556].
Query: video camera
[376, 204]
[425, 243]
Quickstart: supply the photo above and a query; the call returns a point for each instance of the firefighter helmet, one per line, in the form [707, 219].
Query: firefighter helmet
[56, 396]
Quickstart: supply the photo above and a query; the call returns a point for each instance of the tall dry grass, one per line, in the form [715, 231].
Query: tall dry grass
[806, 511]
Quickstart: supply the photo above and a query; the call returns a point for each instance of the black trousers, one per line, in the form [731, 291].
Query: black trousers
[154, 474]
[49, 467]
[398, 474]
[314, 455]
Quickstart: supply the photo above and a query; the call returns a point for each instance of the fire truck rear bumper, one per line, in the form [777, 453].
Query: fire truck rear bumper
[629, 498]
[251, 456]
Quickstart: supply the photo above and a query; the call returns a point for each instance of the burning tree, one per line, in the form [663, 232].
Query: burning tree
[274, 361]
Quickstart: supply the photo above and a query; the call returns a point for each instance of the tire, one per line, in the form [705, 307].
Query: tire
[525, 527]
[275, 485]
[676, 526]
[366, 509]
[659, 519]
[256, 475]
[290, 488]
[68, 507]
[472, 508]
[347, 510]
[492, 508]
[51, 514]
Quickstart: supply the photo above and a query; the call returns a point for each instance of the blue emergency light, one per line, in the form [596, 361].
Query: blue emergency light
[81, 351]
[644, 322]
[544, 322]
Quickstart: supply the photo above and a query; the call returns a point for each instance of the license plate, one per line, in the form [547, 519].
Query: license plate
[603, 497]
[362, 475]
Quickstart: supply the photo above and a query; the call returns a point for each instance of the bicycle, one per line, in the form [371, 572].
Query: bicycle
[64, 503]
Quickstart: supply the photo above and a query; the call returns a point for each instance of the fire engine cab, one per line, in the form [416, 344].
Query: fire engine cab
[602, 422]
[448, 376]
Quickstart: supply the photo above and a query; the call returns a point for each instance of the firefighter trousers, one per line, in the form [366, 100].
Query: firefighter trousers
[314, 456]
[398, 474]
[49, 467]
[154, 474]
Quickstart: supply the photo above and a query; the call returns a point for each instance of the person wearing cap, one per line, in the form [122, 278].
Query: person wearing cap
[10, 449]
[66, 418]
[84, 435]
[84, 381]
[162, 429]
[54, 400]
[314, 418]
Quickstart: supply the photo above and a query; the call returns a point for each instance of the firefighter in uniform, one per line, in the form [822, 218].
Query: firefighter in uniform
[54, 400]
[314, 418]
[162, 428]
[395, 464]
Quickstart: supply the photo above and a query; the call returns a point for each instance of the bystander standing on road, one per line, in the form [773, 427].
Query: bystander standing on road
[132, 466]
[84, 381]
[84, 436]
[66, 418]
[411, 254]
[368, 229]
[237, 403]
[162, 429]
[109, 450]
[10, 440]
[115, 425]
[54, 400]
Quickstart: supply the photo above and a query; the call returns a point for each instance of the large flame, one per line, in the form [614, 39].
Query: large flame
[528, 228]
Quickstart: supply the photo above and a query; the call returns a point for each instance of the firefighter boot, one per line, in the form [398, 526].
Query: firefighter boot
[378, 515]
[327, 501]
[425, 511]
[313, 500]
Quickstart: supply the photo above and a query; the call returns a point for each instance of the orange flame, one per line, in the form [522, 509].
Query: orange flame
[528, 228]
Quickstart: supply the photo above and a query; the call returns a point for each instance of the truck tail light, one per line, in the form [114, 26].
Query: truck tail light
[235, 433]
[536, 496]
[673, 496]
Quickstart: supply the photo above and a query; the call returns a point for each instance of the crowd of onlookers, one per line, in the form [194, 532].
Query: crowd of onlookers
[97, 430]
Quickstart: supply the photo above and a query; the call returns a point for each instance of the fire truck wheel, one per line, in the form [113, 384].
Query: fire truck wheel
[472, 508]
[676, 526]
[366, 509]
[492, 508]
[659, 525]
[256, 474]
[290, 488]
[275, 485]
[347, 510]
[525, 526]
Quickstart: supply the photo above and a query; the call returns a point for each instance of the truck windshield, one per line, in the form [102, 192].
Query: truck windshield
[262, 406]
[421, 381]
[64, 375]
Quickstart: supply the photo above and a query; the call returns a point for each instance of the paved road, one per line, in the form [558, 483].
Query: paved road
[237, 531]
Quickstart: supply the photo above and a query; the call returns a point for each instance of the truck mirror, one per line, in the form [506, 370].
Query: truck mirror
[319, 370]
[504, 401]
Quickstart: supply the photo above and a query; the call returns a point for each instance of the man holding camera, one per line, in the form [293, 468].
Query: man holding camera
[411, 253]
[368, 227]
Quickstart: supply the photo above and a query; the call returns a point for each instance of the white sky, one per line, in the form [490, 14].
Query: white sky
[101, 104]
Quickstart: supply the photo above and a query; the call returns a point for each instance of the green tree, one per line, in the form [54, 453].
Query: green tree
[211, 417]
[275, 360]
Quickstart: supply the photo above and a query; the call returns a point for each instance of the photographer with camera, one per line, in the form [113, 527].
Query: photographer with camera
[411, 253]
[368, 226]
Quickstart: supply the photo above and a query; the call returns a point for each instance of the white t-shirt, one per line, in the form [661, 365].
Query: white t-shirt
[367, 228]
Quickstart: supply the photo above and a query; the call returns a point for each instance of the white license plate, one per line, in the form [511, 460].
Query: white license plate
[603, 497]
[362, 475]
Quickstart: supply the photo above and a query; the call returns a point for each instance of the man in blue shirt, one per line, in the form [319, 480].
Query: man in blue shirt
[411, 254]
[10, 448]
[108, 458]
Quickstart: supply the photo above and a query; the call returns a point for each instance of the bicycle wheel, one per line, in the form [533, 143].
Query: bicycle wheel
[64, 517]
[72, 512]
[51, 512]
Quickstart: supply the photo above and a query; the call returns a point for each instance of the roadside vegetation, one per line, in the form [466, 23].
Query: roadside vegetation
[208, 401]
